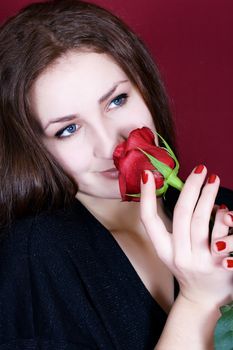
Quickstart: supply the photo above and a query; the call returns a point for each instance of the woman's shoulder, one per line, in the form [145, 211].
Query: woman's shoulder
[50, 228]
[37, 244]
[43, 282]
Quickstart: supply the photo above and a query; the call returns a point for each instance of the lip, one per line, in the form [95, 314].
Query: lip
[112, 173]
[107, 170]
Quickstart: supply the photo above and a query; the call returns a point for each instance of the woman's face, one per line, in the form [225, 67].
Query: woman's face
[86, 106]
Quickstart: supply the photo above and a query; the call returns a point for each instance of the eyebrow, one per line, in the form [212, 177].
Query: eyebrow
[101, 100]
[110, 92]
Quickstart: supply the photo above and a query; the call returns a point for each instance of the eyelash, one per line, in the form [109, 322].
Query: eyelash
[122, 98]
[60, 132]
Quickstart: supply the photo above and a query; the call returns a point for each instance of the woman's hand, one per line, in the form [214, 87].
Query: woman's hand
[191, 255]
[223, 245]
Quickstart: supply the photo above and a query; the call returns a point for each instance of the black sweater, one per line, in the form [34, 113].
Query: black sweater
[65, 284]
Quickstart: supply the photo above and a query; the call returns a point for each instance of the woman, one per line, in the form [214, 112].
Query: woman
[77, 267]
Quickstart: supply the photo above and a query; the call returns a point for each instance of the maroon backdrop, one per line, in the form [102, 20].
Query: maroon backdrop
[192, 44]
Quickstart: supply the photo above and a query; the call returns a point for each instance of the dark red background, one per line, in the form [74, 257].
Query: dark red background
[192, 42]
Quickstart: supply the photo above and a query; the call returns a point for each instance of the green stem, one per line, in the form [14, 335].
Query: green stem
[175, 181]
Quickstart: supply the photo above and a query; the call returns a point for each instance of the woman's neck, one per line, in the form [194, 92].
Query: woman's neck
[116, 215]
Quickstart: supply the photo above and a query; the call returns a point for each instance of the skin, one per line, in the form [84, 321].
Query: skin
[73, 86]
[205, 283]
[83, 144]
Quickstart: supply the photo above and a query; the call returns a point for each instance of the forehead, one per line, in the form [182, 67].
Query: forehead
[76, 76]
[82, 66]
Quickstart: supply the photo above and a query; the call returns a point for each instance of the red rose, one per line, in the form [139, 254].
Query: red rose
[131, 161]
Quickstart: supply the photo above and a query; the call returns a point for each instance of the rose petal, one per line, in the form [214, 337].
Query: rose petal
[130, 161]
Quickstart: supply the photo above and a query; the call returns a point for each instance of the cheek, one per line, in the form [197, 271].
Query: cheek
[75, 163]
[73, 159]
[144, 114]
[141, 116]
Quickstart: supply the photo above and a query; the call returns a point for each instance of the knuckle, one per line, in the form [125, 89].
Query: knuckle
[146, 220]
[146, 216]
[180, 209]
[143, 216]
[193, 184]
[179, 263]
[200, 223]
[198, 220]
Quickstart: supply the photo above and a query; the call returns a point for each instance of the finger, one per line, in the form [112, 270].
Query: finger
[228, 218]
[228, 263]
[153, 224]
[223, 246]
[220, 228]
[148, 195]
[219, 233]
[202, 215]
[184, 210]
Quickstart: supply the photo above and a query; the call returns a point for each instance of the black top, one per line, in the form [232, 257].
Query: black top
[65, 284]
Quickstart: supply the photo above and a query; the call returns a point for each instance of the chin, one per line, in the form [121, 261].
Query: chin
[109, 194]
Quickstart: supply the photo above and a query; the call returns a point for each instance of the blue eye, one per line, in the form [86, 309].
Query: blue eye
[118, 101]
[67, 131]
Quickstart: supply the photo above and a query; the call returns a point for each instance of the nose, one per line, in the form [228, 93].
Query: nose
[104, 140]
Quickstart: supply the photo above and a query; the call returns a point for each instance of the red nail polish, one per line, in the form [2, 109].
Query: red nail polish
[230, 263]
[144, 177]
[223, 206]
[220, 245]
[212, 179]
[231, 216]
[199, 169]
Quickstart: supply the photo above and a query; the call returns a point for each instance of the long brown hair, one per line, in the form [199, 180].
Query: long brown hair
[30, 177]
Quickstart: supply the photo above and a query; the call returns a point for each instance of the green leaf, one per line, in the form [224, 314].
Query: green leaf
[159, 192]
[169, 174]
[223, 334]
[167, 147]
[170, 151]
[162, 191]
[133, 194]
[161, 167]
[226, 307]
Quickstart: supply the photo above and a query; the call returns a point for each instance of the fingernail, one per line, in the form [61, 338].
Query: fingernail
[231, 216]
[144, 177]
[230, 263]
[199, 169]
[223, 206]
[212, 179]
[220, 245]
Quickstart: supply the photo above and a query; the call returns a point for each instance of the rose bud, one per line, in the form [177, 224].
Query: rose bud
[139, 152]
